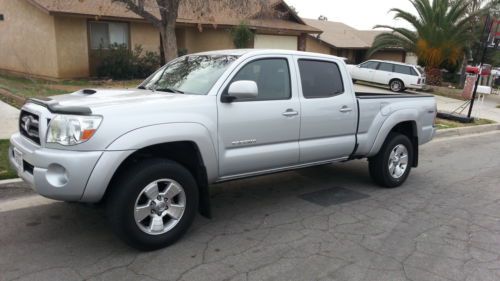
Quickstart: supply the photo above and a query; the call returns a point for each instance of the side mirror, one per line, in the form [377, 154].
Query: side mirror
[244, 89]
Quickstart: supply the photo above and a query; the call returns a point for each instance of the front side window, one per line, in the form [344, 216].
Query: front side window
[386, 67]
[105, 34]
[369, 65]
[320, 79]
[194, 75]
[272, 77]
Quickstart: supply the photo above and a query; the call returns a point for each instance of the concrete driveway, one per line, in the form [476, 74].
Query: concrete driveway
[322, 223]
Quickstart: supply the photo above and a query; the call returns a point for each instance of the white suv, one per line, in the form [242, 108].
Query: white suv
[398, 76]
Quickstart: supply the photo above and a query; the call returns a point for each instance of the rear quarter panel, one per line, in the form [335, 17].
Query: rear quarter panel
[378, 116]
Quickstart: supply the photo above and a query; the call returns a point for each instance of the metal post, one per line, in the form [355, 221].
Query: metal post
[483, 57]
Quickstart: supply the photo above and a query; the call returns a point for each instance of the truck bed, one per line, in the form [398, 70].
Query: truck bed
[376, 108]
[366, 95]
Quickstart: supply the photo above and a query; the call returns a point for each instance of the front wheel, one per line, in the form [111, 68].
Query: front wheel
[392, 165]
[153, 204]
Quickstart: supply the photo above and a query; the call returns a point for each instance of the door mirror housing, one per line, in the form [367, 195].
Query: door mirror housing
[244, 89]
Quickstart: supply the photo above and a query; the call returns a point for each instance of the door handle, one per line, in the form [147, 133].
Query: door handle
[290, 113]
[345, 109]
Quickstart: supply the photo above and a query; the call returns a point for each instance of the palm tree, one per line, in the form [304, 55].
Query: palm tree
[441, 34]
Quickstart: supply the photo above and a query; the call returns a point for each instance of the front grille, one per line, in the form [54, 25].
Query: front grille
[29, 126]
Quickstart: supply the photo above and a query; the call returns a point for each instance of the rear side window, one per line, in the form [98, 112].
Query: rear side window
[402, 69]
[272, 77]
[370, 65]
[386, 67]
[320, 79]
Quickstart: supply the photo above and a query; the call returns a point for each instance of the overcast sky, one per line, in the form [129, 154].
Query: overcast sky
[361, 14]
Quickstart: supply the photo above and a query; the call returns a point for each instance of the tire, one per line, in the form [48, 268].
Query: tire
[156, 190]
[396, 85]
[381, 170]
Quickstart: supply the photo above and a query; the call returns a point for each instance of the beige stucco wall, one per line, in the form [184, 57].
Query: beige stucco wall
[316, 46]
[388, 55]
[146, 35]
[27, 39]
[72, 47]
[209, 39]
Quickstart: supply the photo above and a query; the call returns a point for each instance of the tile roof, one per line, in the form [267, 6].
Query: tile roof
[340, 35]
[214, 12]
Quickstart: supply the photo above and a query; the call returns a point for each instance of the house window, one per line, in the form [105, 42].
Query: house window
[104, 34]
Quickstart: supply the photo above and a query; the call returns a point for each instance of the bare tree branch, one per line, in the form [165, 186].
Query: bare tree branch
[138, 8]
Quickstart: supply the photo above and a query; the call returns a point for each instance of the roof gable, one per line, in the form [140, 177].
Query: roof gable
[340, 35]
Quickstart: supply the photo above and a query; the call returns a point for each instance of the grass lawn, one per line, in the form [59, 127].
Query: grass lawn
[5, 171]
[448, 124]
[29, 87]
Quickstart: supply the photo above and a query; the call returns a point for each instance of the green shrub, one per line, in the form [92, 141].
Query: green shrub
[242, 36]
[118, 62]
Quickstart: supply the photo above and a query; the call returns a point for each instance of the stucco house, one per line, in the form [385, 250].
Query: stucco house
[342, 40]
[59, 38]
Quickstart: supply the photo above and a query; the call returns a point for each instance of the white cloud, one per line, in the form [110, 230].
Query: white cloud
[360, 14]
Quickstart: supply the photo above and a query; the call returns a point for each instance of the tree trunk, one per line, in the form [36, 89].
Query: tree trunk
[169, 40]
[434, 76]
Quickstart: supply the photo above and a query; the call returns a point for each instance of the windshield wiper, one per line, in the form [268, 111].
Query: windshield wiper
[170, 90]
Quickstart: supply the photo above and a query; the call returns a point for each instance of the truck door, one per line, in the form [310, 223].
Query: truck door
[329, 111]
[260, 134]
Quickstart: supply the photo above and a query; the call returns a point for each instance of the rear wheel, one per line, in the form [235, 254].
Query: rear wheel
[392, 165]
[396, 85]
[153, 204]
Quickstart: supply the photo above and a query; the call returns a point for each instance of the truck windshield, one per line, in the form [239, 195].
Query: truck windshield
[193, 75]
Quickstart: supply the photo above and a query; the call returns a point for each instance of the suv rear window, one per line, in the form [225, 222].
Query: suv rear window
[402, 69]
[320, 79]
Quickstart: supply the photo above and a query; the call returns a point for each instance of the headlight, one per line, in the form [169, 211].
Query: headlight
[72, 129]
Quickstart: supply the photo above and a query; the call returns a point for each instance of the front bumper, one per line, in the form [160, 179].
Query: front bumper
[53, 173]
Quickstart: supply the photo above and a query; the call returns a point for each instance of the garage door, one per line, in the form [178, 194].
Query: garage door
[275, 42]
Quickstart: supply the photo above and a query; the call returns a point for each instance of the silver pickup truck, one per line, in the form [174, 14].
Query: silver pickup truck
[149, 154]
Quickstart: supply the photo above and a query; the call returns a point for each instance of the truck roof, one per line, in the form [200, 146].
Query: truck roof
[242, 52]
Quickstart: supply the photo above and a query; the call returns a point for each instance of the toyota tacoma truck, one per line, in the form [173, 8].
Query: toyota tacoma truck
[149, 154]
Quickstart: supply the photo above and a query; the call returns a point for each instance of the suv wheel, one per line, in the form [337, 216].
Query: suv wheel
[153, 204]
[392, 165]
[397, 85]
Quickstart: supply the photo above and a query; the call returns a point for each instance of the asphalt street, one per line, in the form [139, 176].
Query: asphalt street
[321, 223]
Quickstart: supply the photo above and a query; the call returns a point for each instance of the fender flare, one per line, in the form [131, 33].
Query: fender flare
[125, 145]
[397, 117]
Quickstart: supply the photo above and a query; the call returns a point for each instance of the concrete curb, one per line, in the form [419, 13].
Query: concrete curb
[454, 132]
[9, 181]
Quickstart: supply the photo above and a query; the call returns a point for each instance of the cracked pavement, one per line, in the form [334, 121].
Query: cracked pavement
[443, 224]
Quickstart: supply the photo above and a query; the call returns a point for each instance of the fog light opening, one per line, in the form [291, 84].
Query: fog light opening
[57, 175]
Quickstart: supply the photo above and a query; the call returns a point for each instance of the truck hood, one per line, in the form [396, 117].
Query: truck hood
[90, 101]
[94, 98]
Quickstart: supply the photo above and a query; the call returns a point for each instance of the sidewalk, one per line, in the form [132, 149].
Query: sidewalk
[8, 120]
[487, 110]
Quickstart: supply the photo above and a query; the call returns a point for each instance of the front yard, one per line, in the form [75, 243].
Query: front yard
[24, 88]
[5, 171]
[449, 124]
